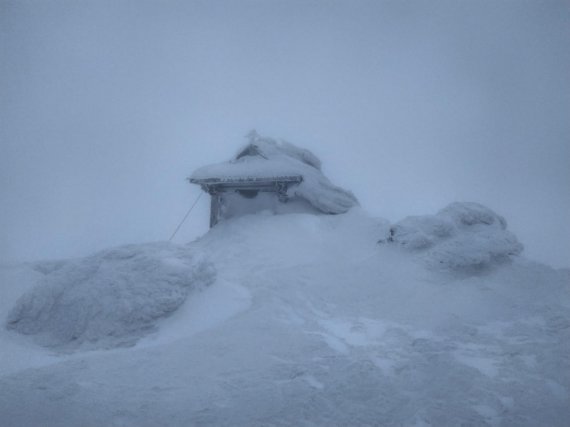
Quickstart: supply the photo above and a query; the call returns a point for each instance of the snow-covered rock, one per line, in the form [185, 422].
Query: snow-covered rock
[109, 299]
[469, 214]
[463, 237]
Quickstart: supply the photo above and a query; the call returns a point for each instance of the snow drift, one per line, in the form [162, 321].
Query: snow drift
[463, 237]
[325, 327]
[265, 157]
[109, 299]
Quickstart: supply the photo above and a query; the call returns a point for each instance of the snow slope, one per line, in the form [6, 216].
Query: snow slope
[311, 321]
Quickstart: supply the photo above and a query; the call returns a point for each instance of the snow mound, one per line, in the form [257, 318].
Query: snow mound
[110, 299]
[265, 157]
[463, 237]
[312, 323]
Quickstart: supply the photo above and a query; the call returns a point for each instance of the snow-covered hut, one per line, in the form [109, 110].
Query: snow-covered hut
[272, 175]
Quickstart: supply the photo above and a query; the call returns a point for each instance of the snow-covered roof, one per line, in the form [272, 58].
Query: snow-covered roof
[267, 159]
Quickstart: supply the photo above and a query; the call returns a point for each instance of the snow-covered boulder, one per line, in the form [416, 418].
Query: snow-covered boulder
[421, 232]
[469, 214]
[268, 158]
[110, 299]
[463, 237]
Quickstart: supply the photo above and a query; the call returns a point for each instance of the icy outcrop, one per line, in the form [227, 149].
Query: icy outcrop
[109, 299]
[265, 157]
[466, 237]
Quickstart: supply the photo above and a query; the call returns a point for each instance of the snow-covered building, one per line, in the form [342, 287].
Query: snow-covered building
[271, 175]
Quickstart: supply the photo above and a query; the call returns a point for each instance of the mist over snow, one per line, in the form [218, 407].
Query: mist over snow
[402, 261]
[107, 106]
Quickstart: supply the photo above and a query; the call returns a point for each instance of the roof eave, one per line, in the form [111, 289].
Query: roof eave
[293, 179]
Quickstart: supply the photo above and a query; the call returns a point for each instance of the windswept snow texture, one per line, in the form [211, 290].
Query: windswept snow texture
[109, 299]
[310, 322]
[268, 158]
[463, 237]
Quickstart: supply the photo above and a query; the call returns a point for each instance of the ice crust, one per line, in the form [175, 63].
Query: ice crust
[265, 157]
[110, 299]
[464, 237]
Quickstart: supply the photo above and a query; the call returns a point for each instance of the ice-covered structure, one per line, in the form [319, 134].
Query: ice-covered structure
[271, 175]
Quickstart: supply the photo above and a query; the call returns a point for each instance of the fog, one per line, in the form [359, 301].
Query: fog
[107, 106]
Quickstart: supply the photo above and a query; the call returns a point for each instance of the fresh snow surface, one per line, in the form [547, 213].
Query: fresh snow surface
[311, 321]
[269, 158]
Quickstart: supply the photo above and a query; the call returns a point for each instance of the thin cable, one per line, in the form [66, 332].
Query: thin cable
[186, 216]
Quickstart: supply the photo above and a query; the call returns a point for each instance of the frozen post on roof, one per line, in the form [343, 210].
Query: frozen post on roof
[270, 175]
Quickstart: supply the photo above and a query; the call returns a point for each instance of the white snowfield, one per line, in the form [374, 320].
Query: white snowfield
[312, 320]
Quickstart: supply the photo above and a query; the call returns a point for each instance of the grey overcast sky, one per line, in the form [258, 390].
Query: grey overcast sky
[106, 107]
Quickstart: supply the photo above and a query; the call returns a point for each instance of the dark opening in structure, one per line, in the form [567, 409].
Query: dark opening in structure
[248, 194]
